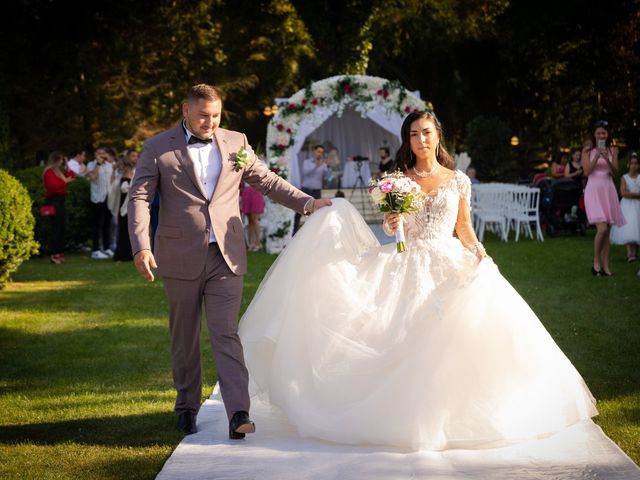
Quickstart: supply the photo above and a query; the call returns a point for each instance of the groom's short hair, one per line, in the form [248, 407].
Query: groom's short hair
[202, 90]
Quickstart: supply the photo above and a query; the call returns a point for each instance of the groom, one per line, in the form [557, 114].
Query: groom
[199, 248]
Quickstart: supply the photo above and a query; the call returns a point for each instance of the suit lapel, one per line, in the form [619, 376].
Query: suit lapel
[226, 166]
[179, 147]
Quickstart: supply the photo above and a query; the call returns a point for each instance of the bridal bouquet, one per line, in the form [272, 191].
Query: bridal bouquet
[396, 193]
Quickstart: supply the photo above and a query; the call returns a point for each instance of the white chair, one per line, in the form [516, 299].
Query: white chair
[524, 210]
[489, 213]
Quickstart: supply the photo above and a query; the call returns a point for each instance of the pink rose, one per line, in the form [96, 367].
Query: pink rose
[386, 187]
[314, 101]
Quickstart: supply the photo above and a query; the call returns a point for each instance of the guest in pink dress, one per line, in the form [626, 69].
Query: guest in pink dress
[253, 207]
[600, 164]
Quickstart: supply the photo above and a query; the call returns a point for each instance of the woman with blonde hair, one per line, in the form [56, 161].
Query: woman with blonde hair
[55, 178]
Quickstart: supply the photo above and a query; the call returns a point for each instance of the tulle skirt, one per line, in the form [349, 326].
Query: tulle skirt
[630, 232]
[425, 349]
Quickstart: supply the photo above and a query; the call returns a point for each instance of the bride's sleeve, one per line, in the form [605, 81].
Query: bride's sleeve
[464, 227]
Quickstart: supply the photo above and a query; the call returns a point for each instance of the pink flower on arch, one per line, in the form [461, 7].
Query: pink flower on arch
[314, 101]
[280, 126]
[407, 109]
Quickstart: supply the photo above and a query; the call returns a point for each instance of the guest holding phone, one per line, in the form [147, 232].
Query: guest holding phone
[600, 164]
[55, 178]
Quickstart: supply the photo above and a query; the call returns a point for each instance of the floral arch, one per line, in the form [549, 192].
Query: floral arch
[384, 102]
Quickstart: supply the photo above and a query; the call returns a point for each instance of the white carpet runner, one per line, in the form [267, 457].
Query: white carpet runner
[275, 452]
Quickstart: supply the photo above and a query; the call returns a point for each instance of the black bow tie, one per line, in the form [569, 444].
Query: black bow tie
[193, 139]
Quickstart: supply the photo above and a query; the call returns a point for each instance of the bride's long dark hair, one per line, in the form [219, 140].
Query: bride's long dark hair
[405, 158]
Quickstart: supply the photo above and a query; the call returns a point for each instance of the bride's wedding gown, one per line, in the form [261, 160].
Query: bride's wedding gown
[426, 349]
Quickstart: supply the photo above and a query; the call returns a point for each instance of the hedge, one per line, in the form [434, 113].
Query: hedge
[16, 226]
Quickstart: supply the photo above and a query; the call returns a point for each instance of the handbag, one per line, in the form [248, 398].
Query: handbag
[47, 210]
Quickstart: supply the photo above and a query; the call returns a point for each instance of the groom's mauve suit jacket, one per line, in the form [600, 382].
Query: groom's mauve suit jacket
[186, 214]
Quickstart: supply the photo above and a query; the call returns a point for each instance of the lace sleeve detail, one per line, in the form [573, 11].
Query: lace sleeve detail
[464, 186]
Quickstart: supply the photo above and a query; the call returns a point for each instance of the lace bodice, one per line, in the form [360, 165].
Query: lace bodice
[437, 218]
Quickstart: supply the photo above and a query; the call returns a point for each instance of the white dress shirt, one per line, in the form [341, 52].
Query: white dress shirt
[100, 186]
[208, 162]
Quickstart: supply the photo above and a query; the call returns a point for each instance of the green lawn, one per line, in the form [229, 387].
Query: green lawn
[85, 384]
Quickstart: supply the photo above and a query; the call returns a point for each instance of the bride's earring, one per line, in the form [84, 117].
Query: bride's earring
[438, 150]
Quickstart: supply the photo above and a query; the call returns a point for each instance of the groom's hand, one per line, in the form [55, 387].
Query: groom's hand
[144, 262]
[320, 202]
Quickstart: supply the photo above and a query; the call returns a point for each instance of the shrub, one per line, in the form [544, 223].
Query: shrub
[16, 226]
[488, 143]
[77, 200]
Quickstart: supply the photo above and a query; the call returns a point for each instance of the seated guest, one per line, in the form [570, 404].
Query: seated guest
[471, 173]
[573, 169]
[559, 165]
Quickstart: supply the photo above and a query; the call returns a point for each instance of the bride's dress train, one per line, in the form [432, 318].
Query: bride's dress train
[426, 349]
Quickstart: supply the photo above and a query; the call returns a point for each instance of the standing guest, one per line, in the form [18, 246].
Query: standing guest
[386, 162]
[573, 169]
[314, 170]
[99, 172]
[252, 207]
[198, 168]
[471, 173]
[600, 164]
[55, 179]
[113, 197]
[629, 234]
[132, 158]
[77, 162]
[123, 244]
[559, 165]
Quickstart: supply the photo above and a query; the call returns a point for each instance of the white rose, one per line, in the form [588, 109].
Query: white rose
[283, 138]
[378, 195]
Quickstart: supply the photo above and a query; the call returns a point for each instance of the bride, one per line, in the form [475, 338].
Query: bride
[427, 349]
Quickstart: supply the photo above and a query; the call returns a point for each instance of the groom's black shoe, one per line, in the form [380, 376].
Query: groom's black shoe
[239, 425]
[187, 422]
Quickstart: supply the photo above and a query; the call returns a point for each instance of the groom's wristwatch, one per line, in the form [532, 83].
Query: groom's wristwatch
[308, 207]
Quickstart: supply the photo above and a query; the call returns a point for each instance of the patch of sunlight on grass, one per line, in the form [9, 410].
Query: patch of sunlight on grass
[42, 286]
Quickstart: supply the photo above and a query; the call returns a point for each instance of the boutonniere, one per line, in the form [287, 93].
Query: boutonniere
[241, 159]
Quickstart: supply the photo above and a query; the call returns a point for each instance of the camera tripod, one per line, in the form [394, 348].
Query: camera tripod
[360, 186]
